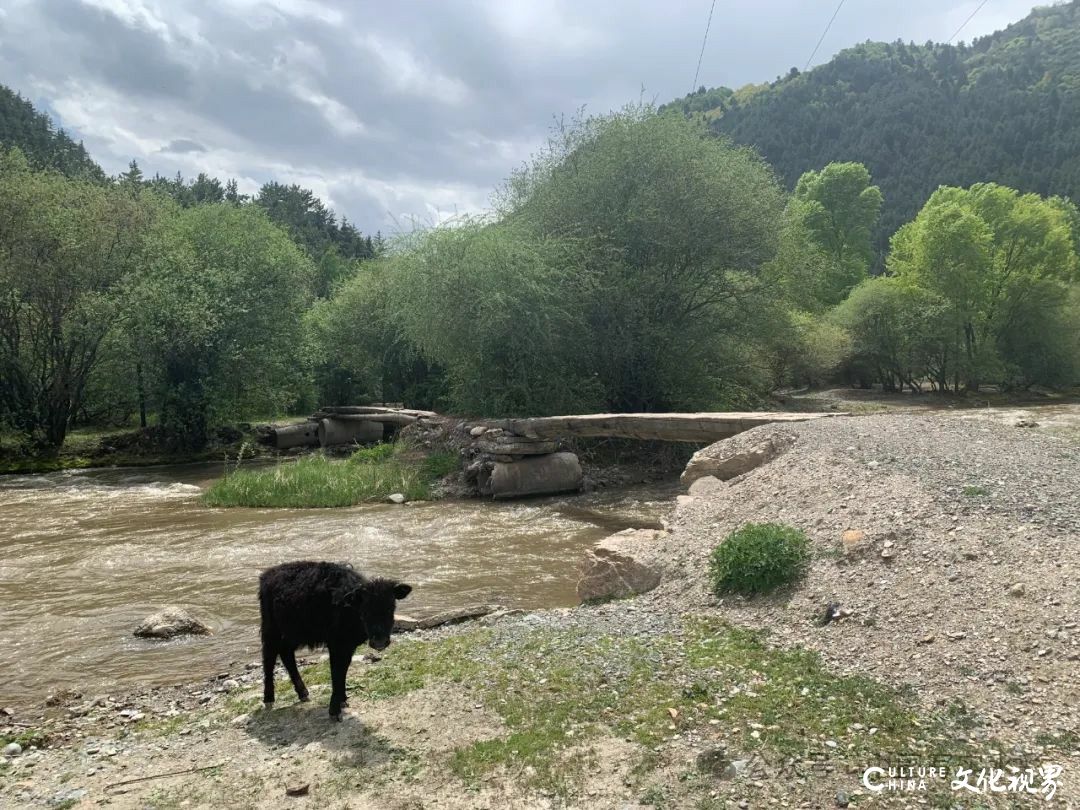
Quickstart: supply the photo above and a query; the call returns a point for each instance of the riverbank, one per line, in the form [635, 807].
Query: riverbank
[91, 448]
[958, 646]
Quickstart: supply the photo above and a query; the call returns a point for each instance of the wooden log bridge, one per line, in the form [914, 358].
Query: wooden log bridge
[670, 427]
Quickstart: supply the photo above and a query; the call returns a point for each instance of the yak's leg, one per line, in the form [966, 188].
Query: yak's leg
[288, 658]
[340, 658]
[269, 656]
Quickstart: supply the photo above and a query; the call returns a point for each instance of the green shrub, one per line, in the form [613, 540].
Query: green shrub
[759, 557]
[383, 451]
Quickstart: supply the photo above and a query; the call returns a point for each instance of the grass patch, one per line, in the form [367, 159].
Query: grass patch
[976, 492]
[371, 474]
[758, 558]
[25, 738]
[555, 690]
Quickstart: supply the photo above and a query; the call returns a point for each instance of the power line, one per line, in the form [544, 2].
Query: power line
[823, 34]
[970, 17]
[703, 41]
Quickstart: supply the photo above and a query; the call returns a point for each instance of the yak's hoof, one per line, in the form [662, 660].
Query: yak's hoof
[304, 698]
[268, 704]
[335, 718]
[344, 703]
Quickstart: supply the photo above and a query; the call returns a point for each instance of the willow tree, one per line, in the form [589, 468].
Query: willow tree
[502, 312]
[219, 305]
[67, 248]
[838, 208]
[674, 226]
[989, 252]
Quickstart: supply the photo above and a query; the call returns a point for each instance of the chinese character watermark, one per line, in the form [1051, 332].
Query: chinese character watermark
[1041, 781]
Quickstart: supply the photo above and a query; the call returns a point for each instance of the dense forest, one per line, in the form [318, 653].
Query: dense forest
[44, 146]
[1004, 109]
[639, 262]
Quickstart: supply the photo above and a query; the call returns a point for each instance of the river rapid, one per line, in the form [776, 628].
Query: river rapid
[86, 555]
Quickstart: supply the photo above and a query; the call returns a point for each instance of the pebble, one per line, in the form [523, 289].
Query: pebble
[1017, 589]
[12, 749]
[397, 497]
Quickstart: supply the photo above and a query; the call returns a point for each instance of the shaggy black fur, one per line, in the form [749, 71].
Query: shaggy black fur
[308, 604]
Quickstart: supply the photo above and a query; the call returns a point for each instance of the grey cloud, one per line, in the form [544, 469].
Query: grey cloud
[183, 146]
[394, 110]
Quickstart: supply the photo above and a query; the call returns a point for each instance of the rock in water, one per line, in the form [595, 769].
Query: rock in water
[170, 622]
[624, 564]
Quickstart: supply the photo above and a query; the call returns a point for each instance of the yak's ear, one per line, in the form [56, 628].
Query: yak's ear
[346, 596]
[401, 590]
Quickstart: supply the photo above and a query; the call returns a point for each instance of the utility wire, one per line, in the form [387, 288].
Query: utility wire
[703, 41]
[823, 33]
[969, 19]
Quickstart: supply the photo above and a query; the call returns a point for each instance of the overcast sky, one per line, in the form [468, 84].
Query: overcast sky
[398, 110]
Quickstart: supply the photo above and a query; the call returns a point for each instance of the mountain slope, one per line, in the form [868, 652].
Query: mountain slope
[1004, 109]
[31, 131]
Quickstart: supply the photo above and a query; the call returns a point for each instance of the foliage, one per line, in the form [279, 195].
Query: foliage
[369, 475]
[811, 350]
[1005, 108]
[757, 558]
[989, 253]
[672, 229]
[501, 311]
[898, 335]
[66, 246]
[839, 209]
[216, 309]
[359, 347]
[45, 147]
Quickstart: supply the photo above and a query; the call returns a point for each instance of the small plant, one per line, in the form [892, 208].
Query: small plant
[976, 492]
[758, 558]
[374, 454]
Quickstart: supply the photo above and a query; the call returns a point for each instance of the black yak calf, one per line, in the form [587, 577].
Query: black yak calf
[308, 604]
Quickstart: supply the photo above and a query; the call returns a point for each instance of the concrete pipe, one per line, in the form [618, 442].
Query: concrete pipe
[340, 431]
[539, 475]
[306, 433]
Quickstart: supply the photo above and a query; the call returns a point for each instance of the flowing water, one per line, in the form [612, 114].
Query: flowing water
[86, 555]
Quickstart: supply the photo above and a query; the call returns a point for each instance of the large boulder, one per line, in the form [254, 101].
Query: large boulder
[538, 475]
[169, 622]
[624, 564]
[738, 455]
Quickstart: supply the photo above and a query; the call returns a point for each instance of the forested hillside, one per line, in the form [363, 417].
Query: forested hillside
[1004, 109]
[44, 146]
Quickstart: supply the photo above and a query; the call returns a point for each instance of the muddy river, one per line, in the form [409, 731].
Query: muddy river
[84, 556]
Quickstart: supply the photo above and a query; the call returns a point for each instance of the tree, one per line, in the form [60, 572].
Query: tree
[502, 312]
[66, 249]
[218, 306]
[362, 352]
[1004, 109]
[45, 147]
[673, 229]
[986, 251]
[898, 334]
[839, 209]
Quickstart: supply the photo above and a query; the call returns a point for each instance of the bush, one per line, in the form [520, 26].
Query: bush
[758, 558]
